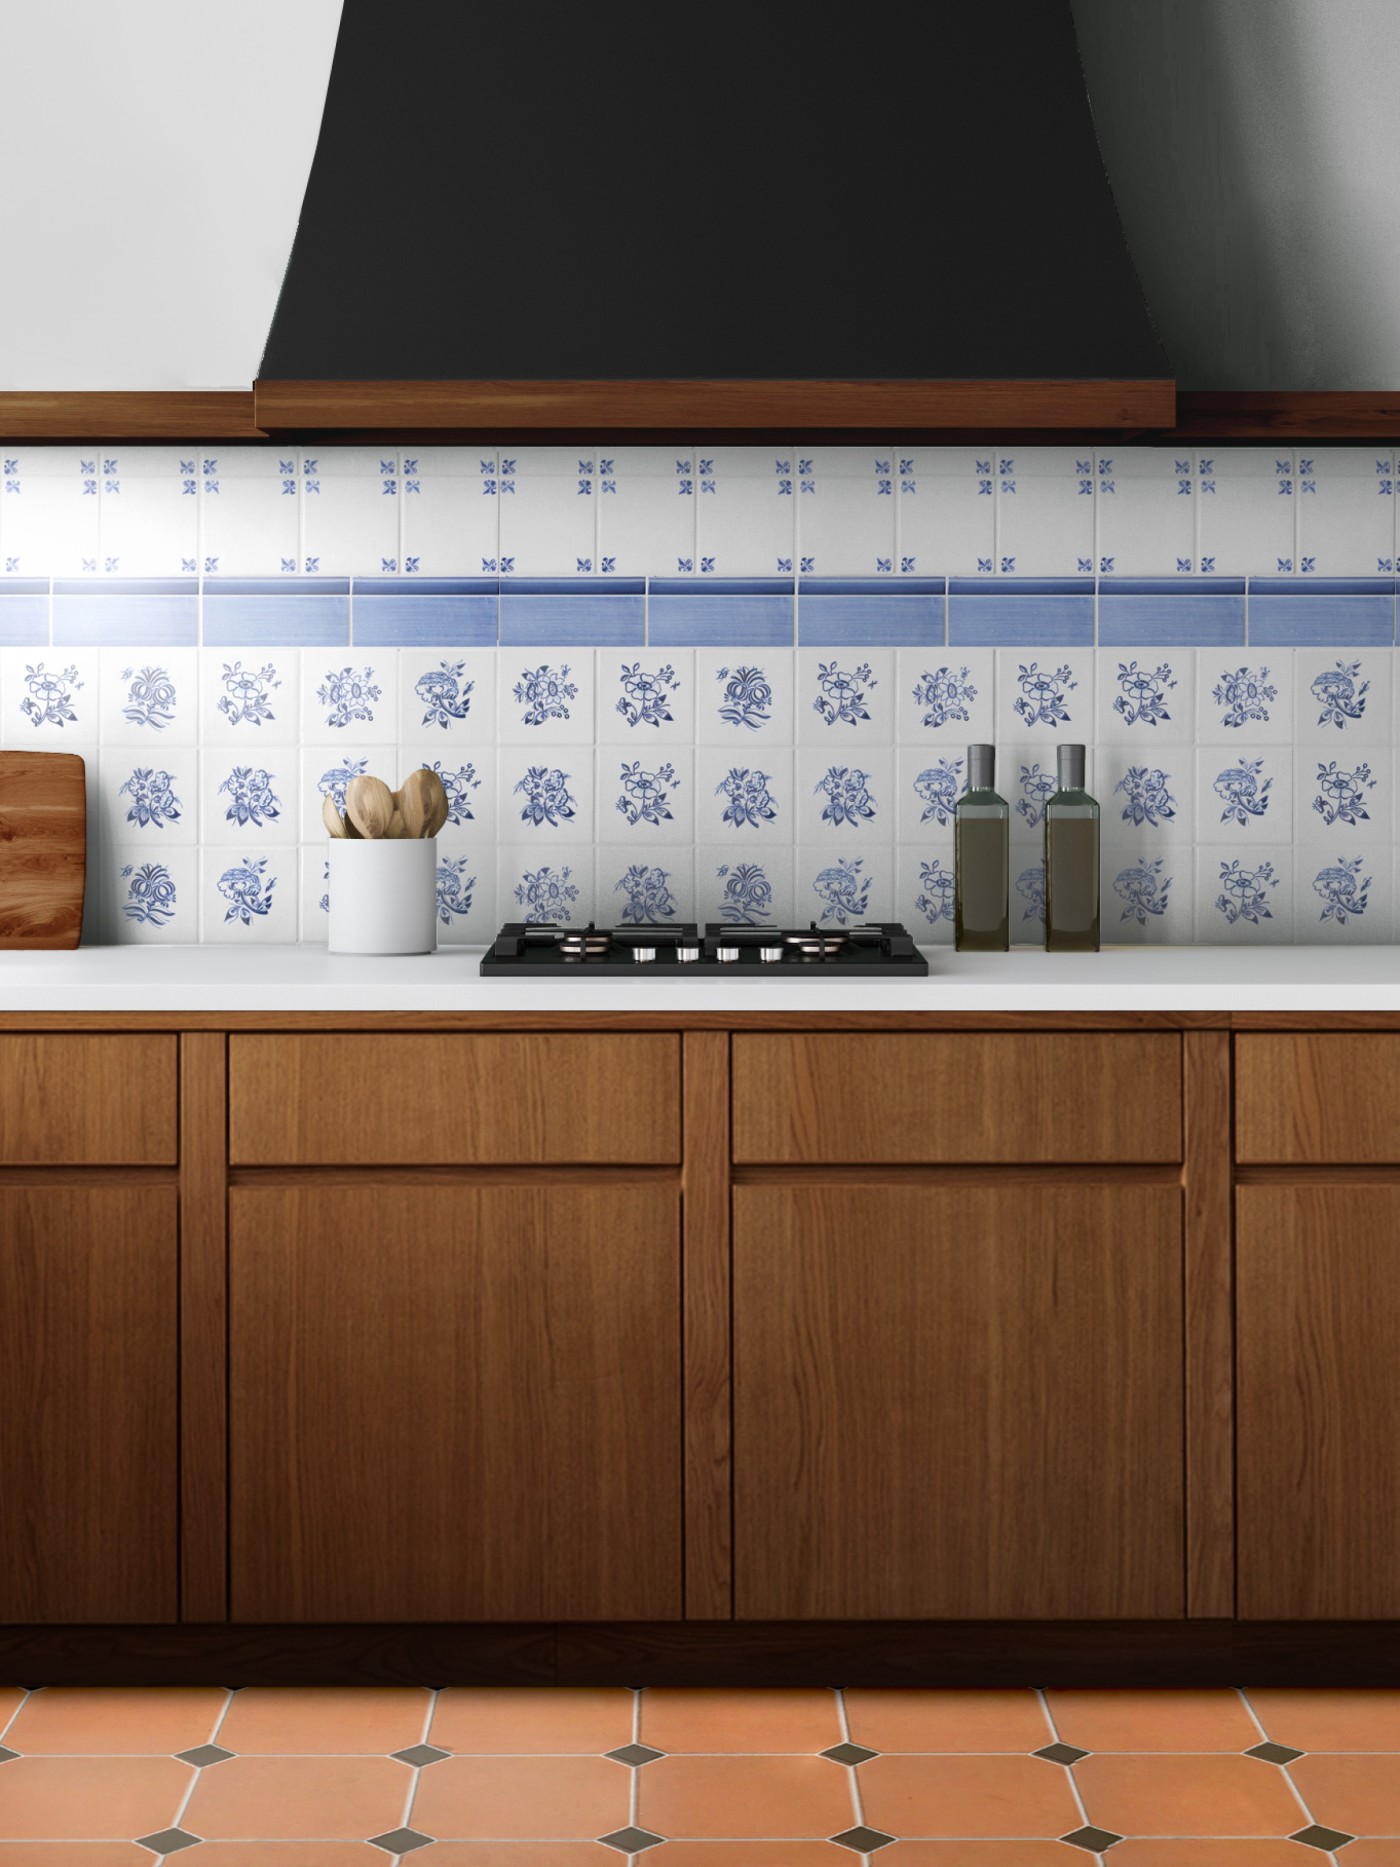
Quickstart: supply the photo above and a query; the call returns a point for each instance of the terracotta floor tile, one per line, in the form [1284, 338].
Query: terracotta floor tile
[1215, 1853]
[142, 1720]
[1147, 1795]
[499, 1719]
[1371, 1853]
[298, 1799]
[1360, 1794]
[1167, 1720]
[516, 1854]
[969, 1796]
[956, 1720]
[743, 1798]
[284, 1854]
[705, 1718]
[749, 1854]
[984, 1854]
[11, 1698]
[1364, 1719]
[89, 1798]
[521, 1798]
[74, 1854]
[324, 1720]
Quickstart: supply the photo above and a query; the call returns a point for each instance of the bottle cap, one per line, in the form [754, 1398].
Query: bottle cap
[981, 768]
[1069, 767]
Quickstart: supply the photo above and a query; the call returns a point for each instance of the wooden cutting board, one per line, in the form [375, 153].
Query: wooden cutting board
[43, 849]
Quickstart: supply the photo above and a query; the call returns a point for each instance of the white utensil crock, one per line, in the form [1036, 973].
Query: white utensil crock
[383, 895]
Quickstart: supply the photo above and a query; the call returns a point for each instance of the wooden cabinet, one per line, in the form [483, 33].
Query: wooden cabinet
[1320, 1097]
[87, 1101]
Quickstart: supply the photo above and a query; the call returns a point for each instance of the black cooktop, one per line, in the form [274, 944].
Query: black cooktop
[881, 949]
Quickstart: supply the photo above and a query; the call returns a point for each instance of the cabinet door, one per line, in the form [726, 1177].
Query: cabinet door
[1318, 1396]
[88, 1448]
[958, 1401]
[454, 1402]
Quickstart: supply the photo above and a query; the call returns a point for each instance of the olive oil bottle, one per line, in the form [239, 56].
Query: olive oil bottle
[1071, 859]
[982, 860]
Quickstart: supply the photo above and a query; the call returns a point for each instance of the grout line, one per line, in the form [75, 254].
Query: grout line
[25, 1695]
[1057, 1739]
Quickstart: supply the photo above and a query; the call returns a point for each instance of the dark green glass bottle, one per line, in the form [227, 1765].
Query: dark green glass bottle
[982, 859]
[1071, 859]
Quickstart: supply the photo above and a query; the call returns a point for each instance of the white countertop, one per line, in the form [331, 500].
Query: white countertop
[306, 978]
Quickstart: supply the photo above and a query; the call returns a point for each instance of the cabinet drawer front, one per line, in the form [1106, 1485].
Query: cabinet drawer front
[1333, 1097]
[87, 1101]
[958, 1097]
[454, 1100]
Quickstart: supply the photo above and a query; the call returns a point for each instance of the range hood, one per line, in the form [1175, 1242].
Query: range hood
[639, 217]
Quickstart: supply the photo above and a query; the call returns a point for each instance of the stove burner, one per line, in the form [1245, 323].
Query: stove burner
[814, 944]
[587, 943]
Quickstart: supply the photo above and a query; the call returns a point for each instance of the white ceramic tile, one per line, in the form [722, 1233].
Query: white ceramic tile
[350, 511]
[926, 892]
[51, 698]
[351, 692]
[468, 777]
[325, 772]
[545, 697]
[947, 510]
[844, 885]
[846, 698]
[1027, 905]
[644, 887]
[250, 527]
[146, 799]
[149, 697]
[152, 895]
[249, 697]
[1147, 524]
[945, 695]
[1044, 694]
[315, 876]
[547, 884]
[48, 510]
[1045, 510]
[747, 527]
[450, 512]
[1244, 895]
[1247, 501]
[1146, 895]
[466, 891]
[1244, 795]
[249, 894]
[549, 520]
[928, 783]
[1148, 798]
[1342, 895]
[646, 697]
[544, 795]
[1341, 694]
[744, 795]
[847, 797]
[1025, 777]
[1344, 800]
[645, 797]
[257, 798]
[744, 700]
[1346, 511]
[148, 509]
[1148, 698]
[845, 511]
[1244, 694]
[646, 508]
[748, 888]
[447, 694]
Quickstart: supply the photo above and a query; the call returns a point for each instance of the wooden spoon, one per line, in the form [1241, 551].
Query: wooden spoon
[396, 824]
[437, 806]
[369, 805]
[417, 799]
[332, 818]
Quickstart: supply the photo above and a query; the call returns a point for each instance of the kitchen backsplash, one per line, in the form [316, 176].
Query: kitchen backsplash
[736, 685]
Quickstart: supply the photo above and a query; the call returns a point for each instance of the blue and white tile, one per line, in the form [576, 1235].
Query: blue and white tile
[1247, 501]
[1244, 795]
[1146, 699]
[744, 700]
[639, 888]
[51, 698]
[1346, 510]
[1147, 524]
[326, 770]
[48, 511]
[1344, 796]
[646, 796]
[148, 509]
[448, 694]
[846, 511]
[146, 798]
[1342, 694]
[315, 889]
[350, 511]
[545, 697]
[468, 775]
[352, 693]
[249, 699]
[745, 888]
[1047, 694]
[744, 795]
[449, 502]
[946, 502]
[249, 894]
[847, 795]
[928, 783]
[844, 884]
[549, 520]
[646, 697]
[945, 696]
[1244, 694]
[253, 798]
[149, 697]
[747, 525]
[551, 883]
[926, 892]
[1148, 796]
[152, 895]
[846, 697]
[1045, 509]
[1342, 895]
[465, 881]
[647, 499]
[1146, 894]
[1027, 777]
[250, 527]
[1244, 895]
[1026, 905]
[544, 795]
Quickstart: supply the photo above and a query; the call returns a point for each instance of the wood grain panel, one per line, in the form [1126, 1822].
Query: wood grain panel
[441, 1099]
[203, 1328]
[88, 1437]
[43, 849]
[963, 1097]
[87, 1101]
[1318, 1097]
[1268, 414]
[455, 1403]
[1318, 1275]
[708, 1547]
[1210, 1352]
[127, 414]
[958, 1402]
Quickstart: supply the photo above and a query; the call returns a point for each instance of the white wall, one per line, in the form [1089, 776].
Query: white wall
[156, 153]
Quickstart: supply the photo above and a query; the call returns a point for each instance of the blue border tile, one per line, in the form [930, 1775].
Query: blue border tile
[727, 612]
[1309, 618]
[893, 621]
[1029, 618]
[264, 612]
[24, 612]
[439, 612]
[1157, 612]
[581, 613]
[99, 612]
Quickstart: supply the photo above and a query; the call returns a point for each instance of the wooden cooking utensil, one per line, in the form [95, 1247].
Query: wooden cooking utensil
[438, 806]
[331, 817]
[369, 805]
[397, 827]
[416, 798]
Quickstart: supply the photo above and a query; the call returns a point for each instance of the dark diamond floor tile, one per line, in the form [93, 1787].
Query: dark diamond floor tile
[168, 1841]
[419, 1754]
[850, 1753]
[400, 1841]
[863, 1840]
[1060, 1753]
[7, 1756]
[635, 1754]
[1323, 1839]
[631, 1840]
[1273, 1753]
[203, 1755]
[1092, 1840]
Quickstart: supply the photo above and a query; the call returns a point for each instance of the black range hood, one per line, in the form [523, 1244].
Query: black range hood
[639, 210]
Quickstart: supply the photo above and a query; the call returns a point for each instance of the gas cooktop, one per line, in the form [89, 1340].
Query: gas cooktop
[881, 949]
